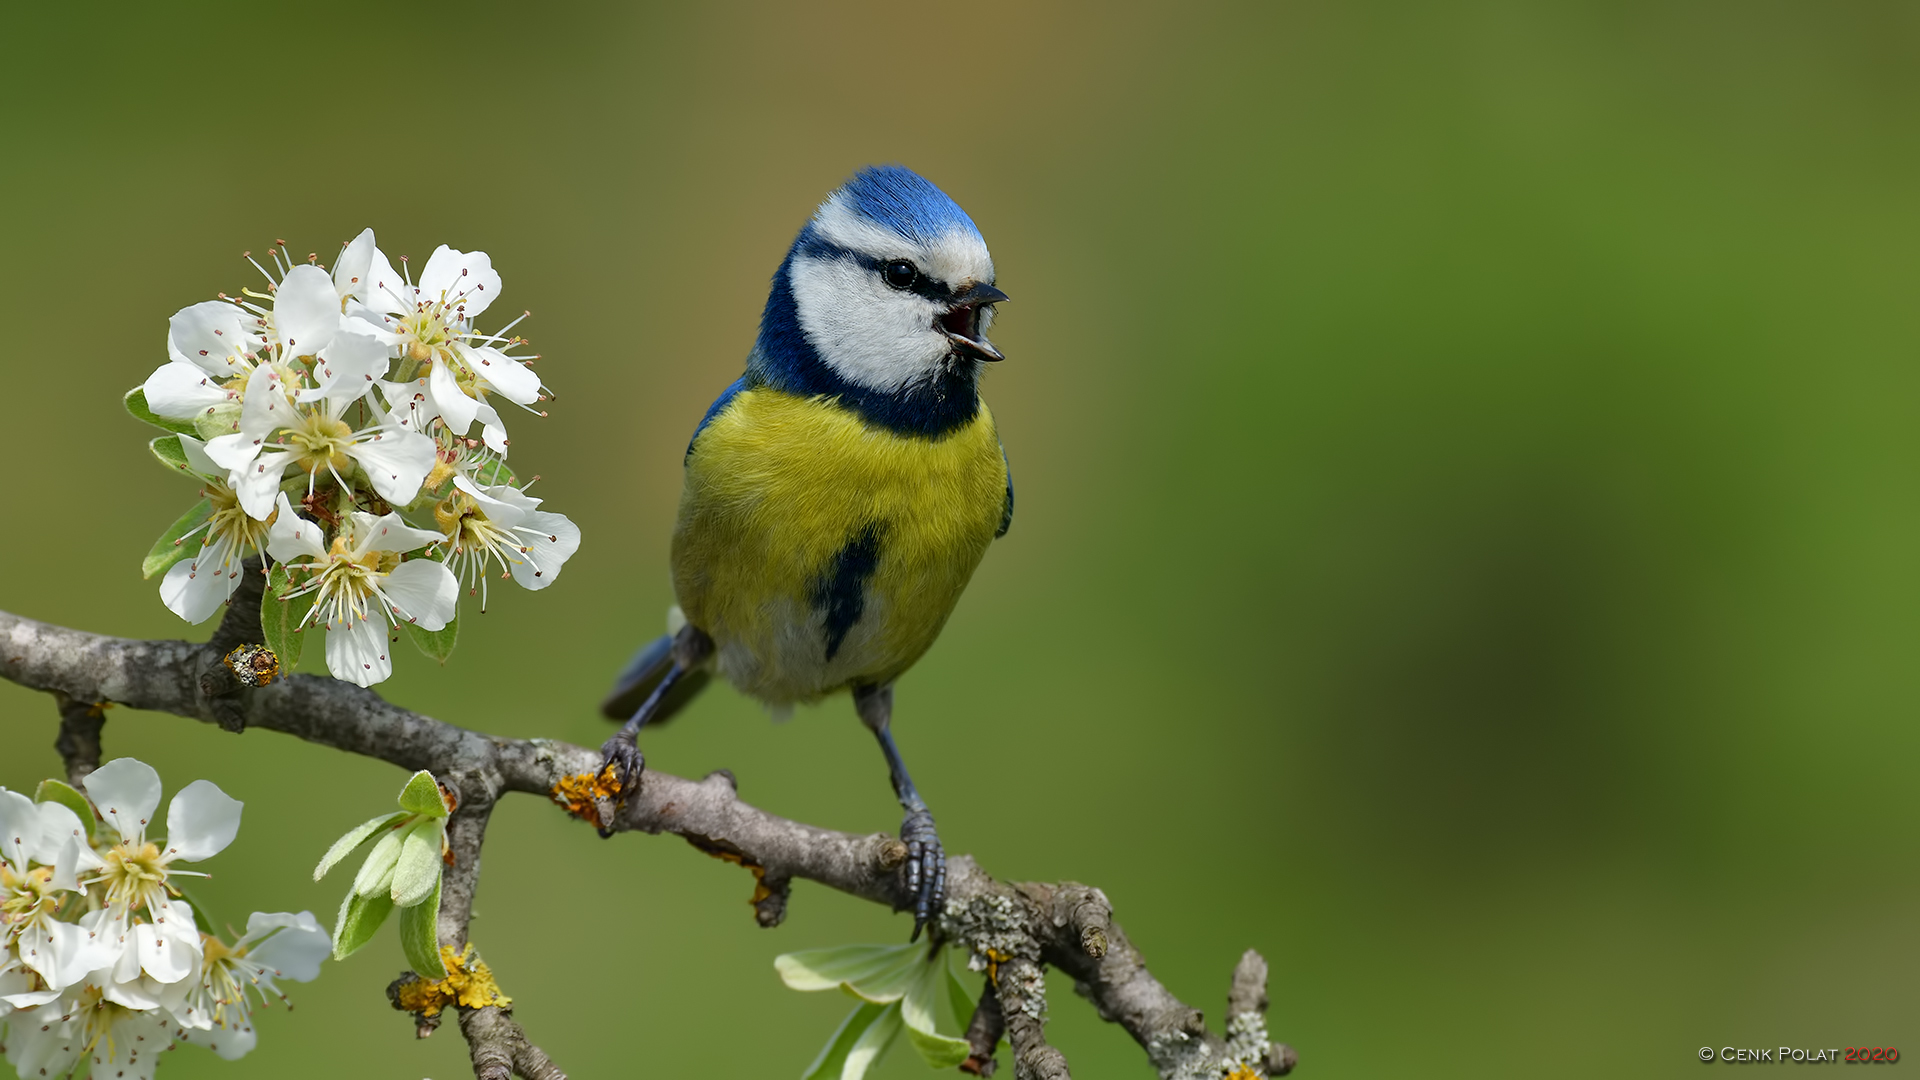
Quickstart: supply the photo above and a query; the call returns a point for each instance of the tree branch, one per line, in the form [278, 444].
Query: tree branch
[1010, 930]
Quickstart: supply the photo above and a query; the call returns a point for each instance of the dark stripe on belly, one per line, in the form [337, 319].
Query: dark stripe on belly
[840, 594]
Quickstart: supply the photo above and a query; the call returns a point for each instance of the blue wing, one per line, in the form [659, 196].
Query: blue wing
[1006, 512]
[719, 403]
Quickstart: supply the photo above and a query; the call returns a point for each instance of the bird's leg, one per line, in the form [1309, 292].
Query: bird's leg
[926, 859]
[622, 752]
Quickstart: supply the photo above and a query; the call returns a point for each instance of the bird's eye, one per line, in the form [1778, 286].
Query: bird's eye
[901, 274]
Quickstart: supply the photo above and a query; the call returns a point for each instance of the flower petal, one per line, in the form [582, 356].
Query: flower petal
[295, 948]
[502, 512]
[194, 591]
[547, 542]
[19, 830]
[390, 532]
[347, 368]
[262, 409]
[411, 404]
[492, 429]
[201, 821]
[291, 536]
[451, 402]
[306, 311]
[357, 651]
[258, 482]
[213, 336]
[182, 391]
[425, 591]
[388, 292]
[397, 462]
[167, 956]
[127, 792]
[514, 380]
[350, 269]
[231, 1043]
[465, 281]
[197, 459]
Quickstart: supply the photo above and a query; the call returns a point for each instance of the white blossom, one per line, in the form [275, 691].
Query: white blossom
[218, 1012]
[360, 576]
[201, 821]
[502, 526]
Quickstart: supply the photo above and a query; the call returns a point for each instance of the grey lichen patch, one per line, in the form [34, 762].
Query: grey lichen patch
[991, 929]
[1246, 1042]
[1182, 1055]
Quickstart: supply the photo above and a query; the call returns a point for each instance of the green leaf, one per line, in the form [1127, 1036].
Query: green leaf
[170, 548]
[136, 402]
[917, 1011]
[422, 796]
[55, 791]
[359, 917]
[855, 966]
[858, 1044]
[437, 644]
[961, 1000]
[280, 618]
[493, 473]
[351, 842]
[418, 871]
[376, 874]
[167, 449]
[420, 935]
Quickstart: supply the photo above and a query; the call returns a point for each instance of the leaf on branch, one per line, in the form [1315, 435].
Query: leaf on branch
[437, 644]
[863, 1036]
[55, 791]
[417, 873]
[351, 842]
[360, 916]
[280, 617]
[170, 548]
[136, 402]
[422, 796]
[962, 1001]
[166, 449]
[863, 969]
[420, 935]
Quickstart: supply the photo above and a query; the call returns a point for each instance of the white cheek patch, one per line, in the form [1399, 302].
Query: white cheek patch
[874, 337]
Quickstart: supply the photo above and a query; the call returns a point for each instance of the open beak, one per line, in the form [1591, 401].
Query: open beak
[962, 323]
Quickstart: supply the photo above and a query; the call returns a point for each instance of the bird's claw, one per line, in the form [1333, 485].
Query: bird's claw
[621, 754]
[926, 868]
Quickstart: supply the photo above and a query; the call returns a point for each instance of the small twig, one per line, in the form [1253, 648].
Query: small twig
[79, 741]
[984, 1032]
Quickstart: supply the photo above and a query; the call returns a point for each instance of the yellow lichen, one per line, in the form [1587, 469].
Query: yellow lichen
[469, 984]
[1243, 1072]
[581, 793]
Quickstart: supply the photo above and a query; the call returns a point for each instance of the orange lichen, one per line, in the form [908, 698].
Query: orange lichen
[469, 984]
[581, 793]
[1243, 1072]
[994, 959]
[760, 890]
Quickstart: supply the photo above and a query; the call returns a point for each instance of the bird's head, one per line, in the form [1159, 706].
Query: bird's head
[889, 287]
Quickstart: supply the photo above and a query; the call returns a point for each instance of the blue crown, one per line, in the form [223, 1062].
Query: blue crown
[906, 202]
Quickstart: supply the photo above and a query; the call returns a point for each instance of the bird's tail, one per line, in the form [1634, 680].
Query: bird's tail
[642, 674]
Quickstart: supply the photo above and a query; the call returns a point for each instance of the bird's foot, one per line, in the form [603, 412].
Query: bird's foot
[926, 868]
[621, 754]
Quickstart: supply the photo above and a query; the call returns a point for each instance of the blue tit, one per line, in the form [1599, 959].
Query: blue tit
[841, 492]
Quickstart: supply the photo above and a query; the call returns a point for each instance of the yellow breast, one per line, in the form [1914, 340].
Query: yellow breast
[819, 551]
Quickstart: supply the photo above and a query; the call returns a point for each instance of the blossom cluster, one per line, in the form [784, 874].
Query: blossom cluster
[104, 965]
[330, 420]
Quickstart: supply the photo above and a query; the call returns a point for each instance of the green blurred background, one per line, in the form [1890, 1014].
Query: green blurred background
[1467, 533]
